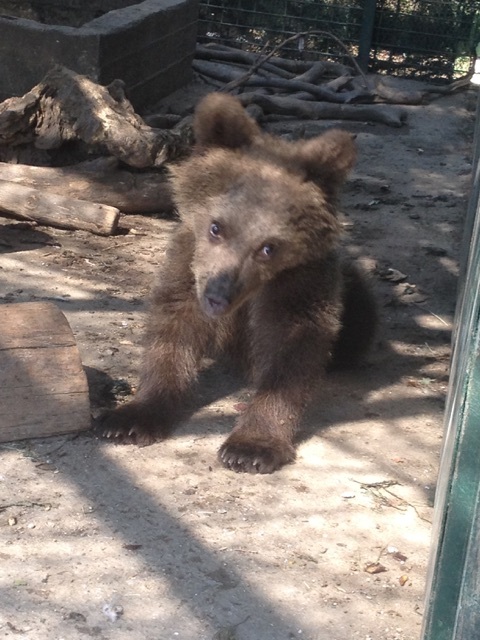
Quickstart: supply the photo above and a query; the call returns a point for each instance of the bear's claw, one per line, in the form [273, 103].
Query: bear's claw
[255, 458]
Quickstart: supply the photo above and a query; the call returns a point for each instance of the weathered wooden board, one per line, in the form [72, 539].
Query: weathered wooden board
[52, 209]
[43, 387]
[101, 180]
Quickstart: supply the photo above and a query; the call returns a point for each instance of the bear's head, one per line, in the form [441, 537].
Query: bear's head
[256, 204]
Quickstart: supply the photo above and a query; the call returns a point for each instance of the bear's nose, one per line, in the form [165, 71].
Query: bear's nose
[215, 306]
[218, 294]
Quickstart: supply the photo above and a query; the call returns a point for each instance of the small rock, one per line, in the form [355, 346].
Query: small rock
[375, 567]
[112, 612]
[435, 251]
[392, 275]
[75, 616]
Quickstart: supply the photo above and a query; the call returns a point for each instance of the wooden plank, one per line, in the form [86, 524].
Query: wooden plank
[27, 203]
[43, 387]
[33, 324]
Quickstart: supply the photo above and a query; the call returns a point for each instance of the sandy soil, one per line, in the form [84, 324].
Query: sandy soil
[161, 543]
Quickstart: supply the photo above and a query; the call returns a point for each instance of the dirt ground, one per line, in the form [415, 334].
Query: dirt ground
[162, 543]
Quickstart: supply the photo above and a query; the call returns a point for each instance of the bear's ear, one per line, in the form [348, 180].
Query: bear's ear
[221, 121]
[328, 158]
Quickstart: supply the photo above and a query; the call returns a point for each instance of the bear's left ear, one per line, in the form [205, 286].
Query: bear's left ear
[328, 158]
[221, 121]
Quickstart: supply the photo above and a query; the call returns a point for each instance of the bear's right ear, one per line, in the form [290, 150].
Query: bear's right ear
[328, 158]
[221, 121]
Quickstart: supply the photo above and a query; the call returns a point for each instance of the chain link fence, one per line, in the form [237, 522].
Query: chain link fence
[423, 39]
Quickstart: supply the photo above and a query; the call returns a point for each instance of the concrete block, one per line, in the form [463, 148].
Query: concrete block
[149, 45]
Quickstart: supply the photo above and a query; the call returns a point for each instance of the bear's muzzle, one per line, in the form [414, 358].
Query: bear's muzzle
[218, 294]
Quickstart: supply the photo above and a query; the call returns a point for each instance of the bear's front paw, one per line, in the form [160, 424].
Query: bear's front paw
[255, 457]
[130, 424]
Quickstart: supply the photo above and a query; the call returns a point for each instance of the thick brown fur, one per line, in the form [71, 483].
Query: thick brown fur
[253, 270]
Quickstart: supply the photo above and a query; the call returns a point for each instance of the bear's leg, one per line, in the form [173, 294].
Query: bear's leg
[176, 339]
[359, 319]
[174, 346]
[290, 355]
[262, 439]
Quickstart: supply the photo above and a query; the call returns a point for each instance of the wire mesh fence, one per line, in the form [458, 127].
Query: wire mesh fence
[427, 39]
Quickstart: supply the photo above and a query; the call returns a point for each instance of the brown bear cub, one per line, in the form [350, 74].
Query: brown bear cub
[253, 271]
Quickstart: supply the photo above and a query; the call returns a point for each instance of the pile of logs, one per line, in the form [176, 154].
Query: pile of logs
[305, 90]
[66, 110]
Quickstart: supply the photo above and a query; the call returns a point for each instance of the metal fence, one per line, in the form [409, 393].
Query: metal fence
[425, 39]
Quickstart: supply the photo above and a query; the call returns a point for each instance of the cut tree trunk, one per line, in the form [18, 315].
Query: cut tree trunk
[67, 107]
[100, 181]
[53, 210]
[43, 387]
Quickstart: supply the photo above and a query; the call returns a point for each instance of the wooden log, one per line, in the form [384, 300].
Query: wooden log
[43, 387]
[320, 69]
[387, 92]
[294, 66]
[339, 83]
[100, 181]
[26, 203]
[381, 113]
[394, 95]
[237, 55]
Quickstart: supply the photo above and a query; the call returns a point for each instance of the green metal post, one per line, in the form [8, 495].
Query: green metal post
[452, 600]
[366, 33]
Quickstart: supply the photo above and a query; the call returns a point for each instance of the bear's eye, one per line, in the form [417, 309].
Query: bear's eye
[266, 251]
[215, 230]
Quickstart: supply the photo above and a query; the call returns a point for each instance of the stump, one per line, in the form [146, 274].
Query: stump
[43, 387]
